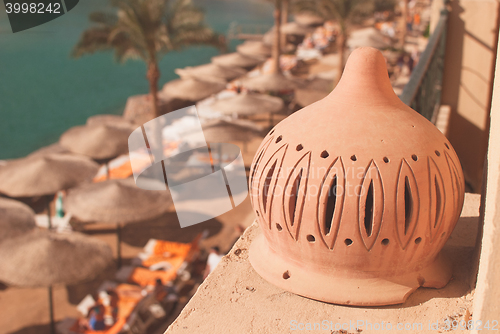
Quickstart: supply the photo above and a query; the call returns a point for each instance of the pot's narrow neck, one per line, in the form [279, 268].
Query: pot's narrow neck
[365, 80]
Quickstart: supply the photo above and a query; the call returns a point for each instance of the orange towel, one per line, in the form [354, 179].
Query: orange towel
[145, 277]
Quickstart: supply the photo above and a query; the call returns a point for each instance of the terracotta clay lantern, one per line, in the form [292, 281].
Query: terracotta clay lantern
[355, 195]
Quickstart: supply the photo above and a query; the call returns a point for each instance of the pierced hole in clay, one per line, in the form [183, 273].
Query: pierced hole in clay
[417, 241]
[299, 147]
[348, 242]
[438, 201]
[286, 275]
[437, 153]
[310, 238]
[414, 157]
[353, 158]
[385, 241]
[408, 204]
[279, 228]
[294, 196]
[324, 154]
[386, 159]
[279, 139]
[442, 235]
[258, 214]
[330, 205]
[267, 183]
[447, 146]
[369, 210]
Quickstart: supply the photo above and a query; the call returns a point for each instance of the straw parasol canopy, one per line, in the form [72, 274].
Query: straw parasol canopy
[255, 49]
[236, 59]
[50, 149]
[245, 104]
[211, 72]
[16, 219]
[42, 258]
[45, 174]
[313, 90]
[294, 28]
[191, 89]
[368, 37]
[115, 120]
[271, 82]
[307, 19]
[225, 130]
[100, 142]
[116, 201]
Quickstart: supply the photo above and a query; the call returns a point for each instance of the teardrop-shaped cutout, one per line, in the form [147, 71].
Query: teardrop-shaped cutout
[268, 177]
[438, 202]
[368, 219]
[437, 198]
[371, 204]
[330, 205]
[331, 202]
[295, 194]
[408, 205]
[267, 183]
[293, 197]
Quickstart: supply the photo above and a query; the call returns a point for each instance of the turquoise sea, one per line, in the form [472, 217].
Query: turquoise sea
[43, 91]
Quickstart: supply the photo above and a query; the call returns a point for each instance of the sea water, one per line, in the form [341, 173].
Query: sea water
[43, 91]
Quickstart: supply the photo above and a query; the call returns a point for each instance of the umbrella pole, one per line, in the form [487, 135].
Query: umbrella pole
[107, 170]
[51, 312]
[118, 244]
[48, 213]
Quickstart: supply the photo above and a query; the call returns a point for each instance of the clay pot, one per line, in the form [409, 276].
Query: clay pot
[355, 195]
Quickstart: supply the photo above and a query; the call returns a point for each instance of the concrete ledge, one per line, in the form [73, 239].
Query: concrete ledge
[235, 299]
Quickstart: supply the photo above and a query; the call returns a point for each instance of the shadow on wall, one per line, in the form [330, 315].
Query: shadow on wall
[463, 89]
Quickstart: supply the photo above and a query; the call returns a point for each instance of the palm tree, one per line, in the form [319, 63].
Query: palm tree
[147, 29]
[345, 12]
[276, 51]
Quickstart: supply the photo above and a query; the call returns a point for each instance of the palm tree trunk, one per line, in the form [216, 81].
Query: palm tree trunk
[284, 20]
[275, 67]
[341, 46]
[153, 75]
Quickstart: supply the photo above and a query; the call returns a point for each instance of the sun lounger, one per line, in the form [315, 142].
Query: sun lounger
[58, 223]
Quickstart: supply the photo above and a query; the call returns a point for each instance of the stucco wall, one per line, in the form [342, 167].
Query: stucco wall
[467, 82]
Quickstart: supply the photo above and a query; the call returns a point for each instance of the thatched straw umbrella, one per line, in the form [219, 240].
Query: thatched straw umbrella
[116, 202]
[42, 259]
[43, 175]
[246, 104]
[272, 82]
[139, 108]
[229, 130]
[191, 89]
[313, 90]
[98, 141]
[115, 120]
[368, 37]
[55, 148]
[294, 28]
[16, 219]
[254, 49]
[211, 72]
[236, 59]
[307, 19]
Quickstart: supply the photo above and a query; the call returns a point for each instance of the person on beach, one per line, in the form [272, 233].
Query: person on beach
[213, 260]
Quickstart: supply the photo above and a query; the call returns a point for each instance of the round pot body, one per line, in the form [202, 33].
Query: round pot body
[355, 195]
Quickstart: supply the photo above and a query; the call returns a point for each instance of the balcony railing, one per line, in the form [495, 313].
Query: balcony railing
[423, 91]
